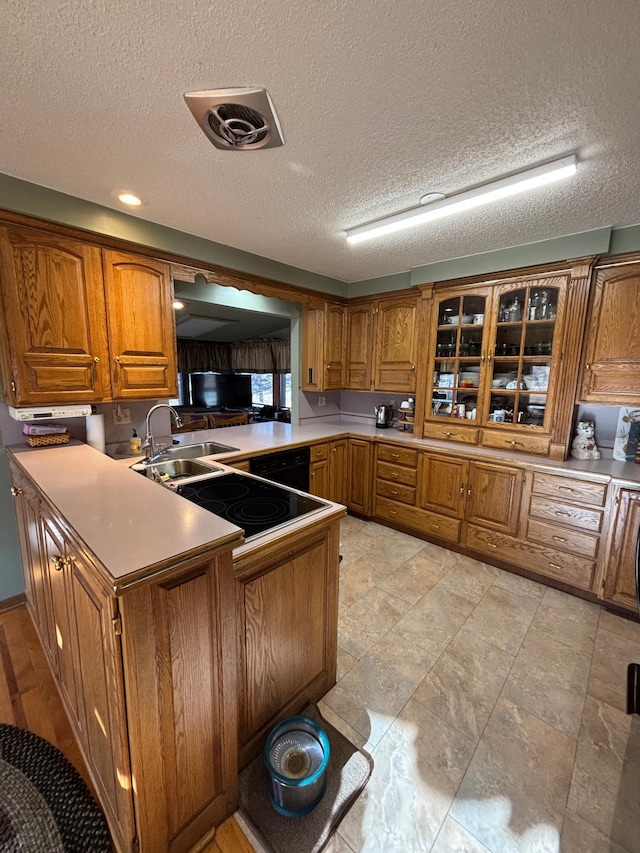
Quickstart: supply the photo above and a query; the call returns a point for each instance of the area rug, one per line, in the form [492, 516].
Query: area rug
[45, 804]
[347, 774]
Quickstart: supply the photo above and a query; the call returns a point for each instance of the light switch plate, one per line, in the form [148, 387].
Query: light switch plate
[121, 415]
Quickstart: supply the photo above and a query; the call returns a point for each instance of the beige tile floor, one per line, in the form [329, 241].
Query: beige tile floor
[493, 707]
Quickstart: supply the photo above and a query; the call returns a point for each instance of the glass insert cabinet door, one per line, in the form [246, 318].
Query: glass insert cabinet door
[456, 365]
[522, 354]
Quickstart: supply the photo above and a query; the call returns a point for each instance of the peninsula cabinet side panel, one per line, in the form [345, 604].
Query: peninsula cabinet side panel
[287, 601]
[179, 645]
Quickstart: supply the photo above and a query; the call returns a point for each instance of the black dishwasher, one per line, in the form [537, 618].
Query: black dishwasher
[289, 467]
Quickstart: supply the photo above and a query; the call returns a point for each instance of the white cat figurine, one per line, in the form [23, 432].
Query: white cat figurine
[584, 444]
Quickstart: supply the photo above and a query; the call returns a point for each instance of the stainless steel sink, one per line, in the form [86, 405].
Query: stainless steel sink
[174, 469]
[193, 451]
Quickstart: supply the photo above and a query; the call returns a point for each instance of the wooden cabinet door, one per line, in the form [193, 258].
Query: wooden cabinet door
[141, 328]
[396, 345]
[52, 302]
[312, 360]
[359, 484]
[179, 645]
[34, 567]
[611, 373]
[319, 479]
[493, 496]
[64, 621]
[335, 346]
[359, 347]
[442, 484]
[620, 578]
[338, 468]
[100, 682]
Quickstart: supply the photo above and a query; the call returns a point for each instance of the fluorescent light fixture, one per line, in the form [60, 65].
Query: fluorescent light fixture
[503, 188]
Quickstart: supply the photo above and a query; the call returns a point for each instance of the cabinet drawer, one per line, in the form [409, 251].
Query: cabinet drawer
[569, 489]
[397, 474]
[565, 513]
[420, 520]
[574, 541]
[538, 444]
[567, 568]
[451, 432]
[398, 455]
[396, 492]
[319, 452]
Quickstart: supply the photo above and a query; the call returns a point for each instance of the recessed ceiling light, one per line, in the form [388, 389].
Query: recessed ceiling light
[178, 305]
[127, 197]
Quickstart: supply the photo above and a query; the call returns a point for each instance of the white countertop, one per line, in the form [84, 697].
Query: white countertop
[133, 525]
[255, 439]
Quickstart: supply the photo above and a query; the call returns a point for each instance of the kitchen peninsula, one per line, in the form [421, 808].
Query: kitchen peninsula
[206, 640]
[175, 645]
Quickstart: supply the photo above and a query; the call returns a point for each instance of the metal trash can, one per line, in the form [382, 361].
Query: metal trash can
[296, 755]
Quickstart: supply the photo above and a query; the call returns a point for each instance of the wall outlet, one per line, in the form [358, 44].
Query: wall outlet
[322, 401]
[121, 415]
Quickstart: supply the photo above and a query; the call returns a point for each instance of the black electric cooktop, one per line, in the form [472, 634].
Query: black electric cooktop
[254, 505]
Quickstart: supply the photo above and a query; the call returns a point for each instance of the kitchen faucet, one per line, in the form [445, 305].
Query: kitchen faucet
[149, 445]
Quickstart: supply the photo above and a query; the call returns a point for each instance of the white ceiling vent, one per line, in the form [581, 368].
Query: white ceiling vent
[236, 119]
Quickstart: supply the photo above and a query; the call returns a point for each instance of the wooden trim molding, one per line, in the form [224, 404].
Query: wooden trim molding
[183, 267]
[11, 603]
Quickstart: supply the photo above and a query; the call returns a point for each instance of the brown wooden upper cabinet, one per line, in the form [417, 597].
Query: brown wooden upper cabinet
[54, 346]
[81, 325]
[359, 361]
[492, 372]
[140, 327]
[324, 335]
[611, 372]
[396, 349]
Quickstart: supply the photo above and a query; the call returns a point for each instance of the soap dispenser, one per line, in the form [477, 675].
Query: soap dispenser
[135, 444]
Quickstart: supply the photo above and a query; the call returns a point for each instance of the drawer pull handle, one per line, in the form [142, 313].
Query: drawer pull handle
[436, 526]
[515, 443]
[555, 565]
[559, 538]
[392, 512]
[394, 491]
[449, 433]
[563, 514]
[395, 456]
[492, 545]
[566, 489]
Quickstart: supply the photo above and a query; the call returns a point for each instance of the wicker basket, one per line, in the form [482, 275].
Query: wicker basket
[48, 440]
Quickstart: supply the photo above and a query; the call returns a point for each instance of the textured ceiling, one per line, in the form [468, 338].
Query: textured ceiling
[379, 102]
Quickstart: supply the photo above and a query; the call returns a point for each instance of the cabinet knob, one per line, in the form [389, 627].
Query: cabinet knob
[57, 562]
[587, 367]
[117, 359]
[413, 367]
[328, 367]
[469, 492]
[15, 491]
[462, 489]
[96, 359]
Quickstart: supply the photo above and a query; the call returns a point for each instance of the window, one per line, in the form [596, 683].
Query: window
[262, 389]
[285, 390]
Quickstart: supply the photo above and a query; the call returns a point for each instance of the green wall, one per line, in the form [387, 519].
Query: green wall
[10, 567]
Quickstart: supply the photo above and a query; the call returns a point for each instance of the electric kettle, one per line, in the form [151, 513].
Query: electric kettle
[384, 416]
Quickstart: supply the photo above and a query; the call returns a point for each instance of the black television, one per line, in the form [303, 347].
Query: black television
[221, 390]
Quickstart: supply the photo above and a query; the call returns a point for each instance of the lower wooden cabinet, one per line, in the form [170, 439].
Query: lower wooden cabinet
[620, 577]
[147, 677]
[328, 470]
[493, 496]
[359, 476]
[287, 604]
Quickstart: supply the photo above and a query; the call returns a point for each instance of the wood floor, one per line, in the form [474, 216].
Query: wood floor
[29, 699]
